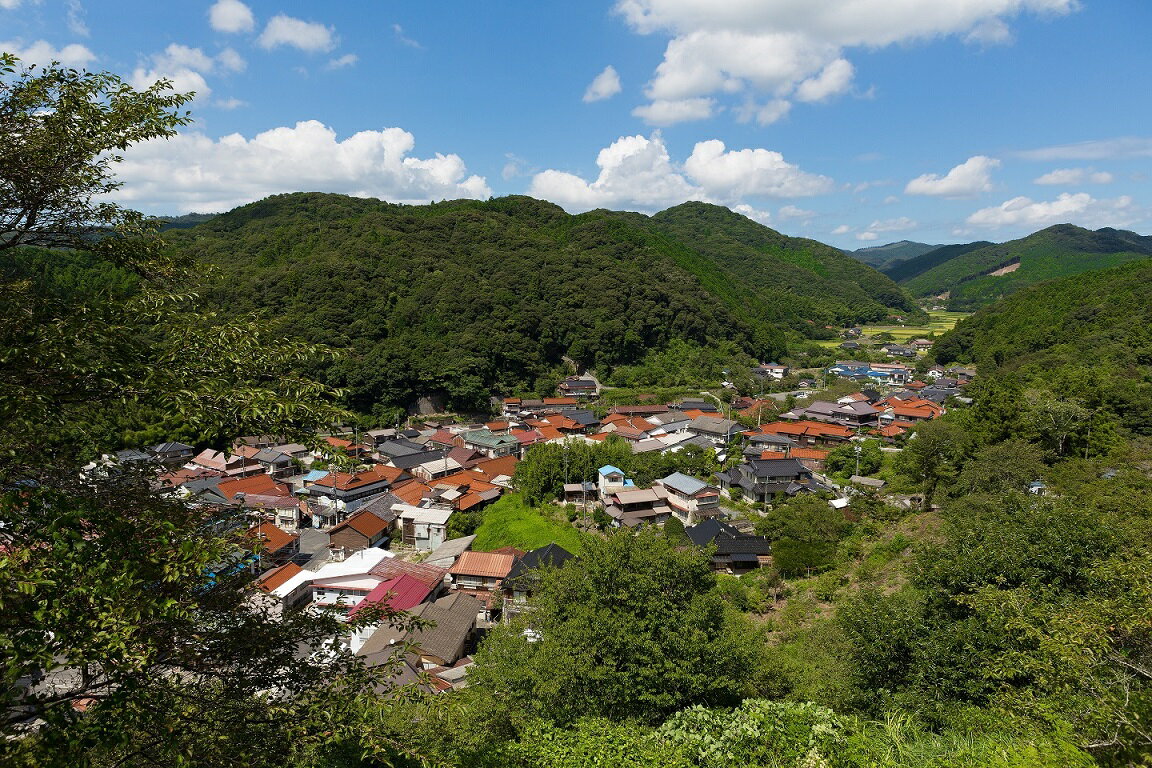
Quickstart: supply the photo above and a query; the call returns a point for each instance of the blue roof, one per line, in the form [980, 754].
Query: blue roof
[608, 469]
[315, 475]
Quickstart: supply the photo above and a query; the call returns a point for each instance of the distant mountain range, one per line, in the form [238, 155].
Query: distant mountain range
[884, 256]
[966, 276]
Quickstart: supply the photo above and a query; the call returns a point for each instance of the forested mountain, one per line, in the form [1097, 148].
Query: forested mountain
[465, 298]
[980, 277]
[906, 270]
[1086, 336]
[883, 257]
[786, 278]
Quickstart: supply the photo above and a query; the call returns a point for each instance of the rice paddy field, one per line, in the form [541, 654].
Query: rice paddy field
[939, 322]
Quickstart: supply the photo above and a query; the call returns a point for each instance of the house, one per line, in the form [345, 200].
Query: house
[491, 444]
[480, 571]
[274, 462]
[561, 403]
[867, 482]
[719, 431]
[760, 443]
[237, 490]
[852, 414]
[424, 528]
[337, 583]
[577, 386]
[443, 641]
[360, 531]
[691, 500]
[524, 577]
[399, 593]
[274, 546]
[232, 465]
[771, 371]
[813, 458]
[346, 491]
[580, 493]
[898, 350]
[172, 452]
[920, 345]
[734, 552]
[633, 506]
[611, 479]
[810, 433]
[761, 479]
[850, 345]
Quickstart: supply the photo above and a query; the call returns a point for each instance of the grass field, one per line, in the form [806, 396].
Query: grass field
[940, 322]
[512, 523]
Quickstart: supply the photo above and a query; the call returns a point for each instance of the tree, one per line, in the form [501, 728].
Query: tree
[932, 453]
[632, 629]
[128, 629]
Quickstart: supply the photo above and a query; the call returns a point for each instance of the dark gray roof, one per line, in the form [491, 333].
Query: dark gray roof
[454, 617]
[398, 447]
[550, 556]
[171, 448]
[778, 468]
[704, 532]
[583, 418]
[270, 456]
[771, 439]
[415, 459]
[132, 454]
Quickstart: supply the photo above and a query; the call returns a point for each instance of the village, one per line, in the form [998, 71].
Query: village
[368, 518]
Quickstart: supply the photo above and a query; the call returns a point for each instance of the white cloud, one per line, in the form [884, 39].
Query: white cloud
[1074, 176]
[604, 86]
[308, 36]
[757, 215]
[75, 19]
[834, 79]
[665, 112]
[1079, 208]
[1103, 149]
[637, 172]
[346, 60]
[968, 179]
[892, 225]
[404, 39]
[793, 212]
[185, 67]
[866, 236]
[231, 60]
[231, 16]
[763, 114]
[750, 172]
[194, 172]
[44, 53]
[843, 229]
[230, 104]
[795, 49]
[9, 5]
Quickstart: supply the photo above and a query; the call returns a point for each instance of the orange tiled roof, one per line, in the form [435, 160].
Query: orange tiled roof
[272, 537]
[365, 523]
[338, 442]
[561, 401]
[808, 428]
[505, 465]
[807, 453]
[485, 564]
[261, 484]
[277, 576]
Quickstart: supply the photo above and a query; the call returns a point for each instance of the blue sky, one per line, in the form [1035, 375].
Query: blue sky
[854, 122]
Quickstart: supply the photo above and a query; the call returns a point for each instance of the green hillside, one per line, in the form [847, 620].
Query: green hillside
[466, 298]
[787, 276]
[906, 270]
[1057, 251]
[1089, 335]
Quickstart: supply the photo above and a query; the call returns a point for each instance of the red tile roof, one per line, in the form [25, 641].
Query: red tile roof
[805, 453]
[807, 428]
[400, 593]
[490, 468]
[561, 401]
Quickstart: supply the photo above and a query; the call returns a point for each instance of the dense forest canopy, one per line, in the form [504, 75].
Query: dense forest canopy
[468, 298]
